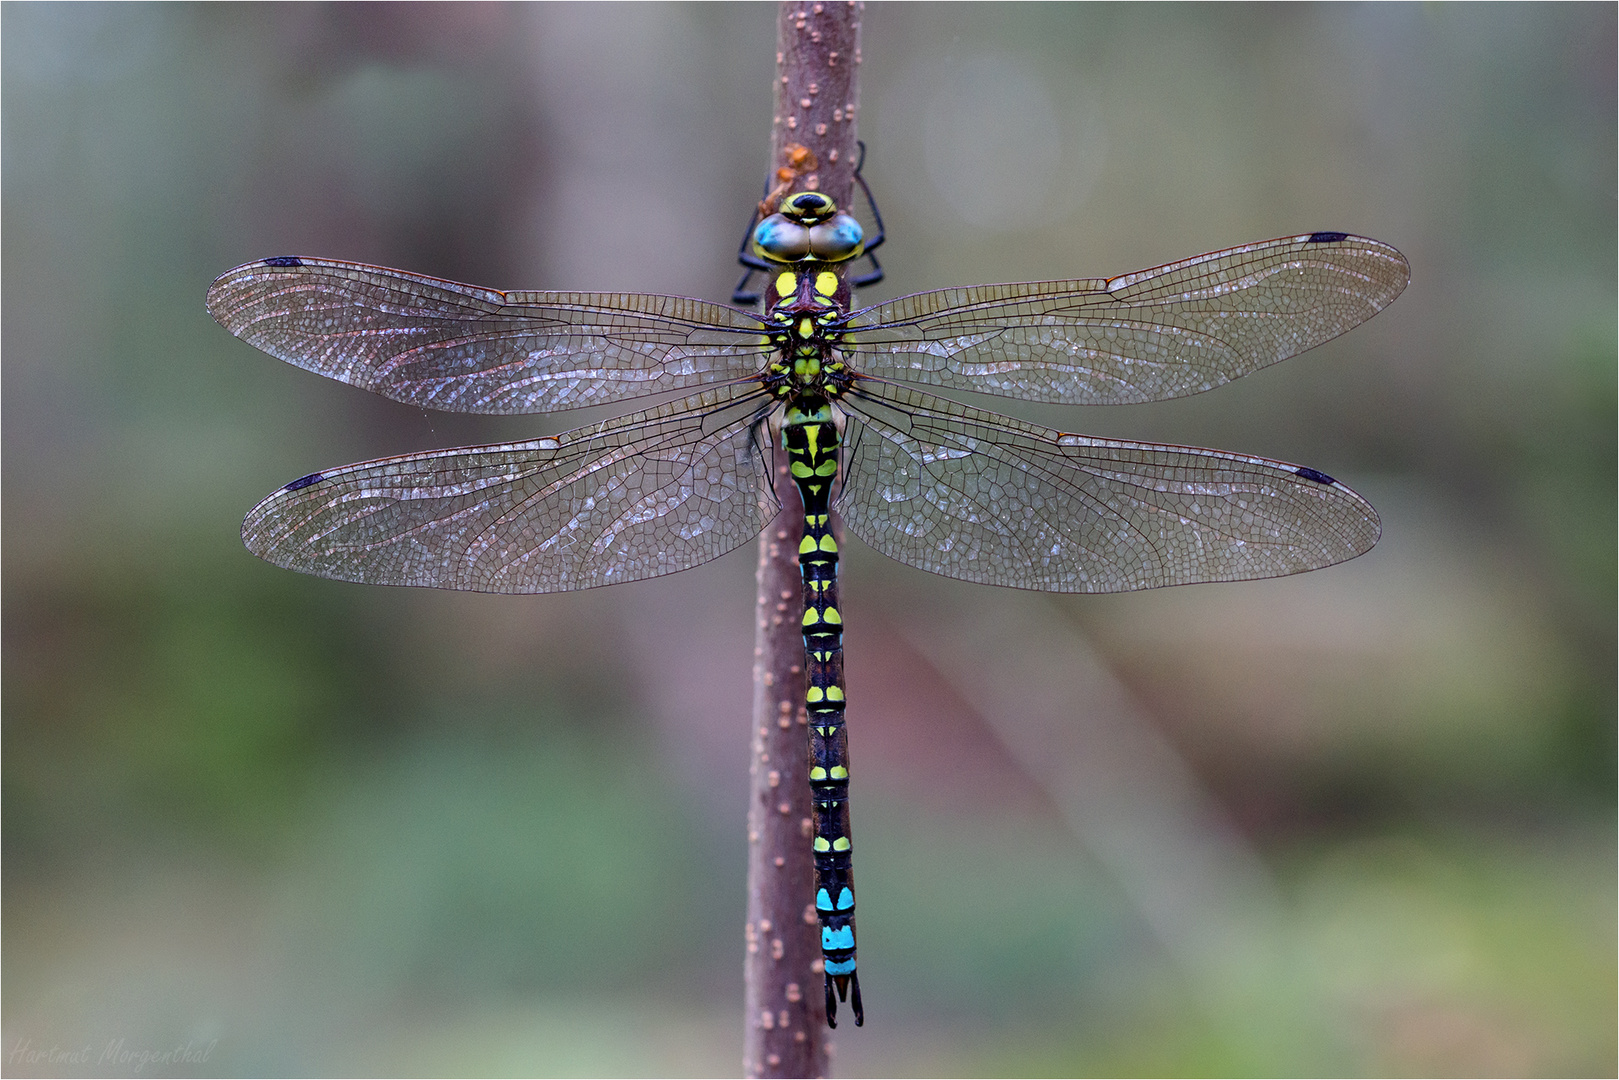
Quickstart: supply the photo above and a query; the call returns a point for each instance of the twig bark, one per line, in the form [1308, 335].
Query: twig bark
[816, 108]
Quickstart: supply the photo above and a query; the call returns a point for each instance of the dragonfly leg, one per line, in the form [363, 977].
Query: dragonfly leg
[751, 264]
[742, 294]
[875, 274]
[872, 277]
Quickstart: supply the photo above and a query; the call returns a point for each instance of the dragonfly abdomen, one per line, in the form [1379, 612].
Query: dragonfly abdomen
[811, 440]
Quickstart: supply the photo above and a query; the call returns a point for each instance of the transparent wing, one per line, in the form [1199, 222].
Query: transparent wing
[636, 497]
[1161, 333]
[986, 498]
[460, 348]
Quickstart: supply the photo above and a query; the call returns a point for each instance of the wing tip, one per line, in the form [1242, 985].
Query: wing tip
[258, 531]
[1359, 544]
[222, 284]
[1333, 236]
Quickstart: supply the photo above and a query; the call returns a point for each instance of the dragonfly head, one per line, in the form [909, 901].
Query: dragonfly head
[809, 227]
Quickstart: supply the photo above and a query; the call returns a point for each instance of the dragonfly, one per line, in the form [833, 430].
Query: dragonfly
[850, 400]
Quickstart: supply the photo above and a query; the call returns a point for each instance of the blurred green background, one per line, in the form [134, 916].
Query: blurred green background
[1356, 822]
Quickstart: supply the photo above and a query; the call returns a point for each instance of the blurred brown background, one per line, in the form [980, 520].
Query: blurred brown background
[1356, 822]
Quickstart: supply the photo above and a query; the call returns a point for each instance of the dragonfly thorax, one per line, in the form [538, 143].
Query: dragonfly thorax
[808, 304]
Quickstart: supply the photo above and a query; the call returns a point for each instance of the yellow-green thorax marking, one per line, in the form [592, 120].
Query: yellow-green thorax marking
[811, 240]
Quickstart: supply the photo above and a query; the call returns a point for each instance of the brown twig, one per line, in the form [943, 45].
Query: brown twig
[813, 147]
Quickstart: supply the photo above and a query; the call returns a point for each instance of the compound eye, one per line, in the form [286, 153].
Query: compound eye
[838, 239]
[781, 239]
[809, 205]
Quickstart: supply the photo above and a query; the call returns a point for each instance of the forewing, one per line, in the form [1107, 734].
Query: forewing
[985, 498]
[636, 497]
[460, 348]
[1161, 333]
